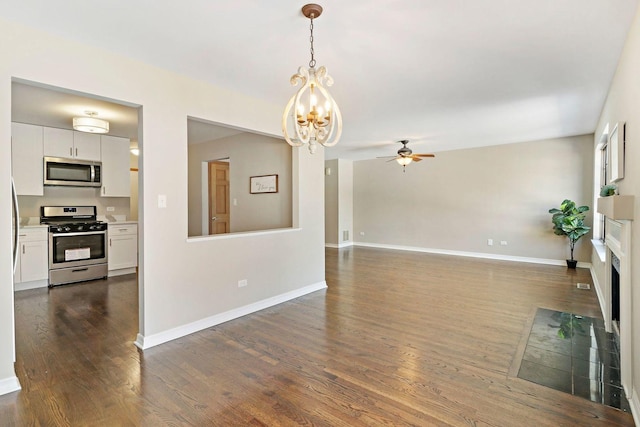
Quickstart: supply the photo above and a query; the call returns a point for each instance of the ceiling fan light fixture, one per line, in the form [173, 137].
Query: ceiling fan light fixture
[90, 123]
[312, 116]
[404, 161]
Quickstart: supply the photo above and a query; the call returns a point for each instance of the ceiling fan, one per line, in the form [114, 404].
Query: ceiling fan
[405, 155]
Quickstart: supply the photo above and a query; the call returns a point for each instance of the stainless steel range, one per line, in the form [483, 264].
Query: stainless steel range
[77, 244]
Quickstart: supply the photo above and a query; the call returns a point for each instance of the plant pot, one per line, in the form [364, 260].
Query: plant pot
[571, 263]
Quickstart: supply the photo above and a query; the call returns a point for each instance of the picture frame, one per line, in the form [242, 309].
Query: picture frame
[263, 184]
[616, 152]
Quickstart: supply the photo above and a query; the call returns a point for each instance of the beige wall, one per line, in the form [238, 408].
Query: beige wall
[623, 105]
[73, 196]
[331, 205]
[249, 155]
[338, 200]
[184, 284]
[459, 199]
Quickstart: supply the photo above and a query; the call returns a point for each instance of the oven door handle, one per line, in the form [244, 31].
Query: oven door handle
[81, 233]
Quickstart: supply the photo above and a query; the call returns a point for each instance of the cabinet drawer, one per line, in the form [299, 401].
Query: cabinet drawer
[33, 234]
[123, 230]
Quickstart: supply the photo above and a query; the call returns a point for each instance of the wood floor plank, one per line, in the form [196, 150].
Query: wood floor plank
[397, 339]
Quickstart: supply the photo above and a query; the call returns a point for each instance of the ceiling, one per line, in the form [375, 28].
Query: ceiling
[443, 74]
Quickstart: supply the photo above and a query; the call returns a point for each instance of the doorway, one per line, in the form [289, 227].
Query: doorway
[45, 106]
[219, 206]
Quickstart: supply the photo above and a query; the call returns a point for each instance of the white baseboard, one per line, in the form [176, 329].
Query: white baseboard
[121, 272]
[145, 342]
[339, 246]
[9, 385]
[472, 254]
[634, 402]
[31, 285]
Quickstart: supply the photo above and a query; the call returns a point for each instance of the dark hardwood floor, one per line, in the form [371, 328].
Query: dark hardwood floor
[399, 338]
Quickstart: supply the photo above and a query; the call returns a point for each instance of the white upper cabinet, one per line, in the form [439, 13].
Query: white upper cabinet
[115, 166]
[70, 144]
[26, 159]
[86, 146]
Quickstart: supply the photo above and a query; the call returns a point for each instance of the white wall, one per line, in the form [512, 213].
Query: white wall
[623, 105]
[182, 282]
[249, 155]
[459, 199]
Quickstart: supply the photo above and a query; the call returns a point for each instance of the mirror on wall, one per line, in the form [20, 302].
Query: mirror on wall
[223, 164]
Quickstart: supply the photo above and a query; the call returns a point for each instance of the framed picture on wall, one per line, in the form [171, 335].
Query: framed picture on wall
[616, 152]
[263, 184]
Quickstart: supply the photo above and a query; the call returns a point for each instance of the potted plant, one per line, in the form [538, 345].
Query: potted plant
[608, 190]
[569, 221]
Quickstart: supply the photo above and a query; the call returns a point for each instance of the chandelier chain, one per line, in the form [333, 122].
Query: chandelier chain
[312, 63]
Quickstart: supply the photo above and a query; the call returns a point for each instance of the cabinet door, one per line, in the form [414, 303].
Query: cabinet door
[115, 166]
[58, 142]
[123, 251]
[86, 146]
[26, 159]
[34, 261]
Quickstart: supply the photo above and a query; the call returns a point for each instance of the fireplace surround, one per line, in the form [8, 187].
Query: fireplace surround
[617, 314]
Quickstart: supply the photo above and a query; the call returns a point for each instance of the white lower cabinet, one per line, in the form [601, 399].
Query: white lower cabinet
[33, 258]
[123, 248]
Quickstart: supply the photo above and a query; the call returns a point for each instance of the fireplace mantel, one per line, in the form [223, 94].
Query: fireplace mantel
[616, 207]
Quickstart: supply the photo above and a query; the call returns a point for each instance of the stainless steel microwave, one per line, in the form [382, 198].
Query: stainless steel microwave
[72, 172]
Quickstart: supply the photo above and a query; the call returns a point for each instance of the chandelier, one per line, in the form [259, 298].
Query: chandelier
[312, 116]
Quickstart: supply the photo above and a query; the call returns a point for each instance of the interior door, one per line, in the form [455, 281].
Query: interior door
[219, 212]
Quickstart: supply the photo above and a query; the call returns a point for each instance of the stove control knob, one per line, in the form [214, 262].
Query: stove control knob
[67, 229]
[59, 229]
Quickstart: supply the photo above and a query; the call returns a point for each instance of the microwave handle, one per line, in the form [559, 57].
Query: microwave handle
[93, 173]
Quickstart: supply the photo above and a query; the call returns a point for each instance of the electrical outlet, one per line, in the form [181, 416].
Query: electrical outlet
[242, 283]
[503, 243]
[110, 209]
[345, 235]
[362, 233]
[489, 242]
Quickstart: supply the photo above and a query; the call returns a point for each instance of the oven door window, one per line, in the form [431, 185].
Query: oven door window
[78, 247]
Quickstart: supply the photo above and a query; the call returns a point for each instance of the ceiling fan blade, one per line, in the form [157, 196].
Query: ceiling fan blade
[425, 155]
[416, 158]
[386, 157]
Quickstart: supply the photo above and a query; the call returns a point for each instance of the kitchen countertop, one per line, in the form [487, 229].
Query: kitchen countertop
[33, 226]
[116, 219]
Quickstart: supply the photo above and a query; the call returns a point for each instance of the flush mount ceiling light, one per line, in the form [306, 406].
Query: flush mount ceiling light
[312, 116]
[91, 123]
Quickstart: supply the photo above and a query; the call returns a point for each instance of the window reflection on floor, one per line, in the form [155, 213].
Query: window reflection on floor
[574, 354]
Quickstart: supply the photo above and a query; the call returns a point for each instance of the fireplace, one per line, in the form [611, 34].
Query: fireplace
[615, 292]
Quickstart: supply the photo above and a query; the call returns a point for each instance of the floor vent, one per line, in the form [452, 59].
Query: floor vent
[583, 286]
